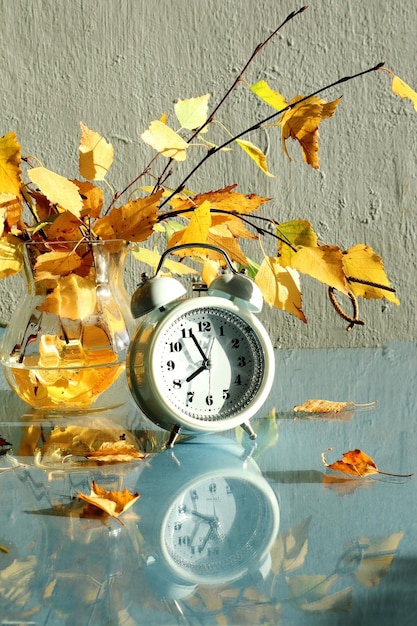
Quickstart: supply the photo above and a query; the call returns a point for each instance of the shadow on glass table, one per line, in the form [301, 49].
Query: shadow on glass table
[225, 531]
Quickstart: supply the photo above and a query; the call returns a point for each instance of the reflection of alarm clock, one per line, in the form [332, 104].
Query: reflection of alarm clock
[205, 518]
[200, 364]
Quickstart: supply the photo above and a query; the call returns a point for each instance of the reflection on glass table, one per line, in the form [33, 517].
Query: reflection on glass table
[226, 531]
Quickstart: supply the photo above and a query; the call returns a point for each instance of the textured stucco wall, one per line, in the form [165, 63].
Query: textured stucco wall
[117, 64]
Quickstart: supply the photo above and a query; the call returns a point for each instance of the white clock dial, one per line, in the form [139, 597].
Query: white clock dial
[211, 363]
[200, 365]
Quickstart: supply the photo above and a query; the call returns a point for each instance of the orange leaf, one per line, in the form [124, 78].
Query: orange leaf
[114, 503]
[224, 199]
[301, 123]
[66, 226]
[133, 222]
[357, 463]
[353, 462]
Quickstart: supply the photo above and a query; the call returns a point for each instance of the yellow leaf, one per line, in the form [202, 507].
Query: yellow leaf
[11, 211]
[92, 197]
[255, 154]
[198, 227]
[165, 141]
[133, 222]
[115, 452]
[96, 154]
[269, 95]
[228, 225]
[11, 256]
[295, 233]
[10, 159]
[59, 190]
[301, 123]
[150, 257]
[56, 264]
[192, 112]
[324, 263]
[362, 263]
[74, 297]
[114, 503]
[400, 88]
[280, 287]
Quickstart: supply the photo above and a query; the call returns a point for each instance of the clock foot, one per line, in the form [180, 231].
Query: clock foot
[248, 428]
[173, 436]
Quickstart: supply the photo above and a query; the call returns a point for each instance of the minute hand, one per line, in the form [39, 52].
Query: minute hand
[199, 348]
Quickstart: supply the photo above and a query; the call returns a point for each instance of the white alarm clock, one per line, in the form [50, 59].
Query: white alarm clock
[199, 365]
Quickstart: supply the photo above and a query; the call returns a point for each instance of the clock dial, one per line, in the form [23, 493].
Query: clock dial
[210, 362]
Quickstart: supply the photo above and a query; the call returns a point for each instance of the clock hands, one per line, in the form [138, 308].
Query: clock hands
[206, 359]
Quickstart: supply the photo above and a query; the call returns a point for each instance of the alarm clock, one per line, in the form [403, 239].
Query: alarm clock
[199, 365]
[205, 519]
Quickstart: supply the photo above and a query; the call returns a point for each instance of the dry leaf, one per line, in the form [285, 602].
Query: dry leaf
[165, 141]
[115, 452]
[114, 503]
[56, 264]
[357, 463]
[96, 154]
[133, 222]
[59, 190]
[328, 406]
[301, 123]
[224, 199]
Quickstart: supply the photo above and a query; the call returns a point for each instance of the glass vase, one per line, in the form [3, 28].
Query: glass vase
[65, 347]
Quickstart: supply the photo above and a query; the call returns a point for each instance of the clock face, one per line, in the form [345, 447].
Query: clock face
[216, 527]
[209, 363]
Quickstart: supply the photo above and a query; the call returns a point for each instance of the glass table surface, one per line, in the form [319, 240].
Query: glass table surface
[226, 531]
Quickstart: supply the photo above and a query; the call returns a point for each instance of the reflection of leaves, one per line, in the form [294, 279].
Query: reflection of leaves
[266, 434]
[290, 549]
[310, 593]
[345, 486]
[375, 558]
[16, 583]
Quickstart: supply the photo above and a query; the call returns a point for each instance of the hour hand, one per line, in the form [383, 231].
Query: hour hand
[202, 368]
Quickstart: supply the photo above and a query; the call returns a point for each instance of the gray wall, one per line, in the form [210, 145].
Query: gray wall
[117, 64]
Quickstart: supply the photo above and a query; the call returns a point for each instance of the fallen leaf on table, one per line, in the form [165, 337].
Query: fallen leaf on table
[357, 463]
[328, 406]
[115, 452]
[114, 503]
